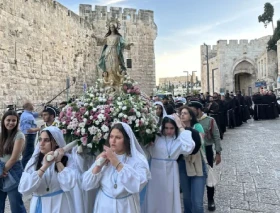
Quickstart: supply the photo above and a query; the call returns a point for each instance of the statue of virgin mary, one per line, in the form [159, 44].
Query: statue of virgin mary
[112, 61]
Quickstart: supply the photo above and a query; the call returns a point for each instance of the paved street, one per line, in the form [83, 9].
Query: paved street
[250, 171]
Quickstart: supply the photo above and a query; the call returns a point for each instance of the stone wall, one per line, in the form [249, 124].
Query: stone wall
[43, 43]
[137, 28]
[226, 55]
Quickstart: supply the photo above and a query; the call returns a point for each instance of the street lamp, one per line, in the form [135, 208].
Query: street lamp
[187, 82]
[208, 84]
[213, 79]
[192, 81]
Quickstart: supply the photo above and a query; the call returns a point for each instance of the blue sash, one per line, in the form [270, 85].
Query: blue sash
[39, 201]
[164, 159]
[115, 197]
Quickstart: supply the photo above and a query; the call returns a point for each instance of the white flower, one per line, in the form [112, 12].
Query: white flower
[97, 122]
[86, 104]
[91, 104]
[83, 131]
[99, 135]
[120, 103]
[124, 108]
[112, 109]
[106, 136]
[102, 111]
[120, 115]
[82, 125]
[148, 131]
[89, 145]
[119, 99]
[85, 120]
[104, 128]
[125, 116]
[138, 114]
[94, 109]
[91, 95]
[91, 117]
[64, 122]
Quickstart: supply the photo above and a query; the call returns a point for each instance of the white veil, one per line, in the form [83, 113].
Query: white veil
[163, 109]
[135, 148]
[59, 139]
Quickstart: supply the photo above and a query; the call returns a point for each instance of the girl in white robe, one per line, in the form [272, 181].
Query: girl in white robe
[123, 175]
[163, 192]
[49, 182]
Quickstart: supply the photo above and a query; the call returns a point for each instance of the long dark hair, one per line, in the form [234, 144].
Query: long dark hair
[40, 156]
[126, 138]
[194, 120]
[169, 120]
[110, 32]
[6, 138]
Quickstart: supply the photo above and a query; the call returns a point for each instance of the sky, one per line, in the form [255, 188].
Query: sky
[184, 25]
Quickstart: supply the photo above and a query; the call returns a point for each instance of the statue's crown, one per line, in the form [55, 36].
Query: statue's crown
[114, 21]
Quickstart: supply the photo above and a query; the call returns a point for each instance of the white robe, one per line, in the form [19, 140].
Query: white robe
[163, 192]
[84, 200]
[130, 181]
[31, 183]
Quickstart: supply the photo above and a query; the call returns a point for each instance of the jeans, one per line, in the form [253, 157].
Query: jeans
[210, 159]
[192, 188]
[15, 199]
[29, 148]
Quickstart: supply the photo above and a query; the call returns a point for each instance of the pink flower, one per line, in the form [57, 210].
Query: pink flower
[124, 87]
[77, 133]
[61, 114]
[89, 122]
[69, 109]
[68, 114]
[129, 91]
[63, 131]
[131, 110]
[83, 110]
[84, 140]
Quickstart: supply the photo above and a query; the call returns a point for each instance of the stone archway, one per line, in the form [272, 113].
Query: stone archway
[244, 76]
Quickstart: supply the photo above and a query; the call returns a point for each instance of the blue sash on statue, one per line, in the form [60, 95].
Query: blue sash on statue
[39, 201]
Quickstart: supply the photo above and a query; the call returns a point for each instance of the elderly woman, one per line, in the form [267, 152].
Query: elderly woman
[49, 182]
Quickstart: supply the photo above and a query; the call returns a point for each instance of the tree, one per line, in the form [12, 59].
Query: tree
[267, 16]
[272, 43]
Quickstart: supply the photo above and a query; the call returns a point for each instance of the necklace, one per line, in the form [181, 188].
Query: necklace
[168, 150]
[48, 183]
[115, 175]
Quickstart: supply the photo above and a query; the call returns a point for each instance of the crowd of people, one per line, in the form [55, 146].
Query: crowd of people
[133, 178]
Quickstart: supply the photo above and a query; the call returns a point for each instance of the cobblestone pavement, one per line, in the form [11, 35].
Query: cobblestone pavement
[250, 171]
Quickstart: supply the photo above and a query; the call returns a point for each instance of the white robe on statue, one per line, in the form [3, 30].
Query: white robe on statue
[130, 181]
[163, 190]
[65, 180]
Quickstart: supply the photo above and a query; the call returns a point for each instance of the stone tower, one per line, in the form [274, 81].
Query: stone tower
[237, 65]
[137, 28]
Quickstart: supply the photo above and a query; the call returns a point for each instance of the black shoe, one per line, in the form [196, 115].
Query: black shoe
[211, 205]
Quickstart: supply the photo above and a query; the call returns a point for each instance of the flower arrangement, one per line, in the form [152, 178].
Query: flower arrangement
[90, 118]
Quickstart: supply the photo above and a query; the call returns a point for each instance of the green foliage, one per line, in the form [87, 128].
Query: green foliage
[267, 16]
[272, 43]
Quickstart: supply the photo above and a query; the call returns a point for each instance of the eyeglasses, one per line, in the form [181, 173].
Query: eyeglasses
[44, 140]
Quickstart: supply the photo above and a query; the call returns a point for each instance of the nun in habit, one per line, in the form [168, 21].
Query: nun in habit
[49, 183]
[160, 112]
[122, 176]
[163, 191]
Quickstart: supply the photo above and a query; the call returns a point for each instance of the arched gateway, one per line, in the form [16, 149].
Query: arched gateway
[244, 76]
